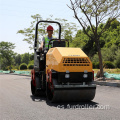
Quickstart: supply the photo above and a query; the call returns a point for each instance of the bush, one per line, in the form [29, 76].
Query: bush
[117, 59]
[9, 67]
[30, 66]
[31, 62]
[23, 66]
[117, 63]
[96, 65]
[17, 67]
[108, 64]
[93, 64]
[5, 68]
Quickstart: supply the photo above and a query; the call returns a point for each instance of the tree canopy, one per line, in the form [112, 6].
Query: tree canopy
[67, 32]
[93, 13]
[109, 43]
[6, 54]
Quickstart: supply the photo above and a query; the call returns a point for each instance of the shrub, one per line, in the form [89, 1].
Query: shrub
[9, 67]
[117, 63]
[17, 67]
[30, 66]
[97, 65]
[93, 64]
[5, 68]
[117, 59]
[31, 62]
[108, 64]
[23, 66]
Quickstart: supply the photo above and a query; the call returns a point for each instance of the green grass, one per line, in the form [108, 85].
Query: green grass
[111, 71]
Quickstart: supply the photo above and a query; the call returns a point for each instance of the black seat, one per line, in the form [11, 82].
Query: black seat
[59, 44]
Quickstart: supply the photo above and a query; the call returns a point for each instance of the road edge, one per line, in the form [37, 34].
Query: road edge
[102, 83]
[105, 83]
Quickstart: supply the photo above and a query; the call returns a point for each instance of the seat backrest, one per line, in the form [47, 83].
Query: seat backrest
[59, 44]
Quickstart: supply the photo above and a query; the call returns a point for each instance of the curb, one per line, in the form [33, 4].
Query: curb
[113, 84]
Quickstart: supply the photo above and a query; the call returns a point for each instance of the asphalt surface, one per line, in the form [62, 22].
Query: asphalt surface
[17, 103]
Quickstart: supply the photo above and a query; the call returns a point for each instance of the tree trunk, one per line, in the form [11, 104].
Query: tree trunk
[10, 69]
[100, 62]
[100, 58]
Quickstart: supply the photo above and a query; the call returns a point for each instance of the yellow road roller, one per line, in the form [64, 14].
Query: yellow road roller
[61, 73]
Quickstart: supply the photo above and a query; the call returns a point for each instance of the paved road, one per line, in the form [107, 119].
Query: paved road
[17, 103]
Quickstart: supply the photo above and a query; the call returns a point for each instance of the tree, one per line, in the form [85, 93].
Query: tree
[109, 38]
[94, 12]
[31, 56]
[17, 59]
[117, 59]
[7, 53]
[25, 58]
[29, 32]
[84, 42]
[108, 54]
[68, 29]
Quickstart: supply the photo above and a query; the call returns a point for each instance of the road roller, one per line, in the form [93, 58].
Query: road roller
[61, 73]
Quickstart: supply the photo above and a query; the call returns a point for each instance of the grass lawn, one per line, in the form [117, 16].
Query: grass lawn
[111, 71]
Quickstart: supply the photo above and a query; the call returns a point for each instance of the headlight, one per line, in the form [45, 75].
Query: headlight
[67, 75]
[85, 75]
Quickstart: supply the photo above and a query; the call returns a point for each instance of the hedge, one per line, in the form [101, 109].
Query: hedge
[95, 65]
[106, 64]
[23, 66]
[30, 66]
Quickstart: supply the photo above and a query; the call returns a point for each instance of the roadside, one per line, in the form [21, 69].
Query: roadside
[110, 71]
[109, 79]
[107, 82]
[99, 81]
[16, 74]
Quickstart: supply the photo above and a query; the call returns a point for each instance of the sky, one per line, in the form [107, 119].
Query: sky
[16, 15]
